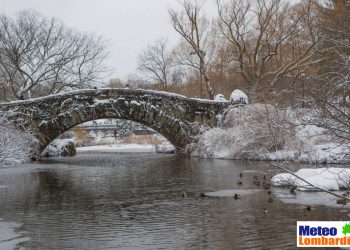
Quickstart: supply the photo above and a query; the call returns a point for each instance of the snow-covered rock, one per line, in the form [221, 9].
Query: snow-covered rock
[239, 96]
[220, 98]
[327, 178]
[60, 147]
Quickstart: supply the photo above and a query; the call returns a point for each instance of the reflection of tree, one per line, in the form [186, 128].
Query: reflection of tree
[56, 189]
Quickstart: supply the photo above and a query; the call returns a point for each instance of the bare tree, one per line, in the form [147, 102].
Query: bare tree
[40, 56]
[196, 50]
[155, 62]
[134, 81]
[268, 40]
[332, 96]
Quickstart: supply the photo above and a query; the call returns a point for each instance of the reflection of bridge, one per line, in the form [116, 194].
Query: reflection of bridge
[176, 117]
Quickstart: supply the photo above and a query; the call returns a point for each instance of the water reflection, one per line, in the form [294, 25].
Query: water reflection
[135, 202]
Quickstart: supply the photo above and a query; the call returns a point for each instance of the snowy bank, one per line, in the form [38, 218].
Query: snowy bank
[133, 148]
[136, 148]
[263, 132]
[332, 179]
[165, 149]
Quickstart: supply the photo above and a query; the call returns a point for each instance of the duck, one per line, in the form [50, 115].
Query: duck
[342, 201]
[256, 182]
[267, 185]
[236, 196]
[292, 190]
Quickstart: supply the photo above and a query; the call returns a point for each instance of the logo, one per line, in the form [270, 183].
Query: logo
[323, 234]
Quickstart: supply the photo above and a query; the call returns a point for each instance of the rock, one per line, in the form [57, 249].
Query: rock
[68, 149]
[58, 147]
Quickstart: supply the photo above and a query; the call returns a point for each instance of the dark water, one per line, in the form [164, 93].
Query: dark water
[111, 201]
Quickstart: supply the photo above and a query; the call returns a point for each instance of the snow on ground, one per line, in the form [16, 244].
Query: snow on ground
[133, 148]
[328, 178]
[165, 149]
[146, 148]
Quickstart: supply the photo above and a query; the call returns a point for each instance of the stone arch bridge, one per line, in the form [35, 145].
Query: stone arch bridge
[176, 117]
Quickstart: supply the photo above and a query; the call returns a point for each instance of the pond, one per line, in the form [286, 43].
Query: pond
[147, 201]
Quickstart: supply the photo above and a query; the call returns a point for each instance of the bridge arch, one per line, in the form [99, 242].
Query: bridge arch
[176, 117]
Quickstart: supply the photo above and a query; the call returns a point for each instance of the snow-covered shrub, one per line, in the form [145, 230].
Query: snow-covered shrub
[15, 144]
[264, 132]
[247, 132]
[239, 96]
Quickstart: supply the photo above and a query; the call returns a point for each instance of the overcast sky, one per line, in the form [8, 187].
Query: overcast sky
[130, 25]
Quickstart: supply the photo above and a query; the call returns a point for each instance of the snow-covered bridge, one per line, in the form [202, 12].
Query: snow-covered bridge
[176, 117]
